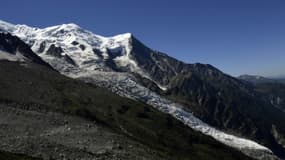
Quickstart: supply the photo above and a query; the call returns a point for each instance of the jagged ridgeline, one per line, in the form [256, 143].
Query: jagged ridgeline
[47, 115]
[200, 96]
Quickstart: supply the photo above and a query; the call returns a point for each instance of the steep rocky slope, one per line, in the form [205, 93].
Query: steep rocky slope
[47, 115]
[129, 68]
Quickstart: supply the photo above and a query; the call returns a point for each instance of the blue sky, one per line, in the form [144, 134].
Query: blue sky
[237, 36]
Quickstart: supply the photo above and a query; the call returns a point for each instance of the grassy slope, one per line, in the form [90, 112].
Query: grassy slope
[12, 156]
[36, 87]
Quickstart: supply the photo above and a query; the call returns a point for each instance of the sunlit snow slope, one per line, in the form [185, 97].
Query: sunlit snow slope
[106, 61]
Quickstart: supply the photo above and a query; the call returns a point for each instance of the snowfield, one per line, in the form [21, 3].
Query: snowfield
[90, 53]
[125, 85]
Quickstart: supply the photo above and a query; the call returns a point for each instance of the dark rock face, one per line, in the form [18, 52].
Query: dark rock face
[230, 105]
[225, 102]
[273, 93]
[74, 43]
[69, 60]
[57, 52]
[97, 52]
[144, 124]
[12, 45]
[159, 66]
[218, 99]
[65, 118]
[82, 47]
[42, 47]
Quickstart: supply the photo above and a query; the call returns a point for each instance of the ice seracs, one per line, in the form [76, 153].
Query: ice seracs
[94, 58]
[125, 85]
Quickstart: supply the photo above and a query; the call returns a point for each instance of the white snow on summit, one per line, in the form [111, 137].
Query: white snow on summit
[90, 53]
[88, 50]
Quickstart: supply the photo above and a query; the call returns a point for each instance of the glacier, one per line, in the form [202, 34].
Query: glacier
[90, 66]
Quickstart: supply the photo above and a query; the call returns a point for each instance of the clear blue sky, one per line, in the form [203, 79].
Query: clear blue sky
[237, 36]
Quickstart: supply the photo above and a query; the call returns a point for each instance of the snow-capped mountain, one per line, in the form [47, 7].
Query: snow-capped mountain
[76, 48]
[128, 68]
[33, 98]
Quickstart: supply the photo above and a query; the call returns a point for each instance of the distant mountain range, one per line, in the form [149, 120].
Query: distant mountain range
[231, 110]
[273, 89]
[259, 79]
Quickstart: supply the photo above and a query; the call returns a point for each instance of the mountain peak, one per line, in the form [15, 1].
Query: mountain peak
[129, 68]
[126, 35]
[69, 26]
[76, 44]
[123, 36]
